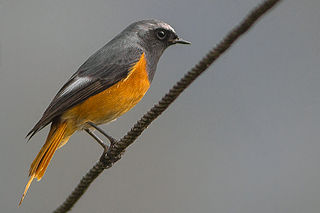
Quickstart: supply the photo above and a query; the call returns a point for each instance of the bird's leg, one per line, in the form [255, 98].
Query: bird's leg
[111, 139]
[104, 146]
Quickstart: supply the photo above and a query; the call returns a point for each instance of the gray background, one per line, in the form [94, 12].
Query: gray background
[243, 138]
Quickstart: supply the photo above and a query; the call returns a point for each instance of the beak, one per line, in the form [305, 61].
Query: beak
[179, 41]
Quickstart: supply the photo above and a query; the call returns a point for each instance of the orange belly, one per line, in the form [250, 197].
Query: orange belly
[112, 102]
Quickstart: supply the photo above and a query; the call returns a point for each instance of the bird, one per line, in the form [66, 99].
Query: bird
[107, 85]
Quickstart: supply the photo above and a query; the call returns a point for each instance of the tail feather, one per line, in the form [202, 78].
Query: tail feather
[43, 150]
[26, 189]
[48, 156]
[42, 160]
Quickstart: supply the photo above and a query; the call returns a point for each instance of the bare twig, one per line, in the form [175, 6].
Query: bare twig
[115, 151]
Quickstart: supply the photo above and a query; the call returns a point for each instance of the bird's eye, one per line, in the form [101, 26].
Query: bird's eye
[161, 34]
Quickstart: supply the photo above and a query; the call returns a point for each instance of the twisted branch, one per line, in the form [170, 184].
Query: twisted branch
[114, 153]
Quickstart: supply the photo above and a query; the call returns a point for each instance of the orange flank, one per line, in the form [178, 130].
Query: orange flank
[100, 108]
[114, 101]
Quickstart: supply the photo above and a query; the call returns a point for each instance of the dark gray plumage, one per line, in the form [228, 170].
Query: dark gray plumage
[111, 64]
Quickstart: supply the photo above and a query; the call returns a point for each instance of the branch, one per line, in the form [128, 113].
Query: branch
[114, 153]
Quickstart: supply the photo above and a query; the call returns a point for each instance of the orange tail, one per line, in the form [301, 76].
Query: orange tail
[41, 162]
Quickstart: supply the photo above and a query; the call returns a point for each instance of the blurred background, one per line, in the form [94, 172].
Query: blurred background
[243, 138]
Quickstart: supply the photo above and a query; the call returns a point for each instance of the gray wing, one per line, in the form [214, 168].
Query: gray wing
[98, 73]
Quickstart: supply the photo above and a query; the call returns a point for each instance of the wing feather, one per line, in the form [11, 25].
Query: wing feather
[96, 75]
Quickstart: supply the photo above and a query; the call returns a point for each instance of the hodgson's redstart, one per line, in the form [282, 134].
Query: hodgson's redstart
[107, 85]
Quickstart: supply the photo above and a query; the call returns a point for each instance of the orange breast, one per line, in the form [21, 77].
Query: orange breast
[114, 101]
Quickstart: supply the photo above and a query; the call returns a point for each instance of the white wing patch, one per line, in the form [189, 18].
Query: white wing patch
[78, 82]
